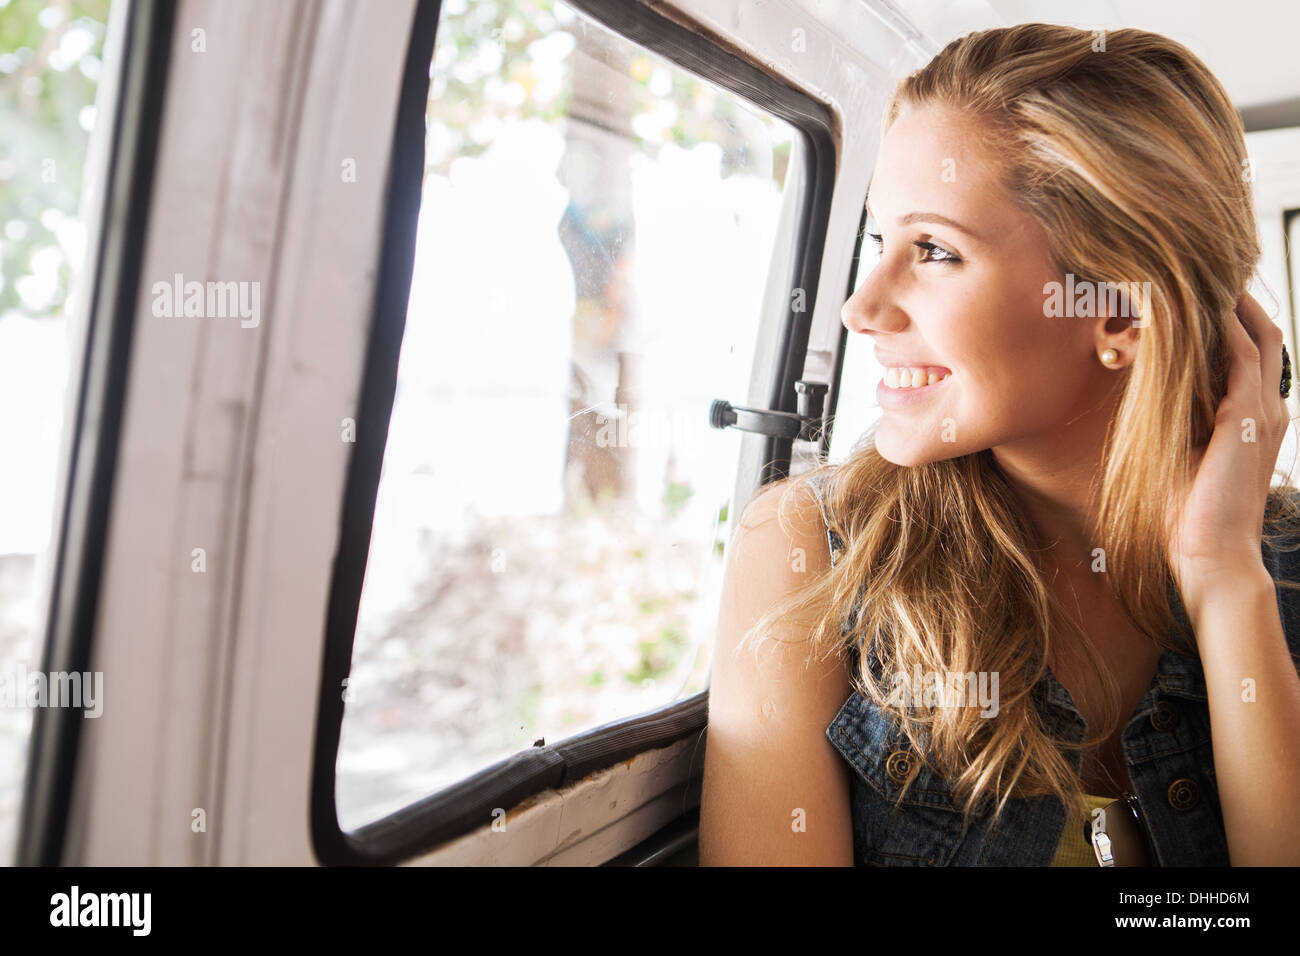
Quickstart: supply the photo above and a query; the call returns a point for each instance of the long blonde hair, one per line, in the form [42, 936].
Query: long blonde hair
[1132, 159]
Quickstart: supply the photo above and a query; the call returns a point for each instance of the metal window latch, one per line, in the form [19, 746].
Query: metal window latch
[805, 424]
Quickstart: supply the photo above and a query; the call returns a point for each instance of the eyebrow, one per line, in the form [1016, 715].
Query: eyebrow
[934, 217]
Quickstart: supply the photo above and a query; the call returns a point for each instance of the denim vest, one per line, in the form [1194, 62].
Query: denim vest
[1166, 746]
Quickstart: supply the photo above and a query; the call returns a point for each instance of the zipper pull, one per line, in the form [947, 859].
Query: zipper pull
[1095, 833]
[1096, 829]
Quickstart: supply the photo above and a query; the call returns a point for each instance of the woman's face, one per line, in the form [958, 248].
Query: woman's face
[960, 288]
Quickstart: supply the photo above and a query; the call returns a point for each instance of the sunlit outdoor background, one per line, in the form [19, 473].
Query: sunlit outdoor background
[595, 235]
[50, 59]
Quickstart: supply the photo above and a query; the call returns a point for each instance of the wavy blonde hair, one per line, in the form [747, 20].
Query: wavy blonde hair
[1132, 159]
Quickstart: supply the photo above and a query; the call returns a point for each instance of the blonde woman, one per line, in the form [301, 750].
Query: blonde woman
[1055, 576]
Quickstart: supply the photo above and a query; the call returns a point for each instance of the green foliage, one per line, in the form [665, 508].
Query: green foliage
[50, 55]
[676, 495]
[50, 62]
[652, 605]
[658, 656]
[490, 63]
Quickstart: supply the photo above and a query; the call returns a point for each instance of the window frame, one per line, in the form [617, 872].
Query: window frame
[93, 429]
[837, 367]
[467, 805]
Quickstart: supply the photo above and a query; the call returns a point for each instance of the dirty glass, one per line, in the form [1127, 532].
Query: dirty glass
[594, 241]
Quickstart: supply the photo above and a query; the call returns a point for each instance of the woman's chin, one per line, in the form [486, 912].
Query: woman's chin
[904, 454]
[909, 450]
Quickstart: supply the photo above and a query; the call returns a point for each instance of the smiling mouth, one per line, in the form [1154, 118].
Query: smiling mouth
[902, 379]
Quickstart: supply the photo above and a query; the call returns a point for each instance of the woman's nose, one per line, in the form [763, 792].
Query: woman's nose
[869, 307]
[848, 313]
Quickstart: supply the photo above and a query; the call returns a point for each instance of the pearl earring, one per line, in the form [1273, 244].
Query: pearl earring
[1109, 357]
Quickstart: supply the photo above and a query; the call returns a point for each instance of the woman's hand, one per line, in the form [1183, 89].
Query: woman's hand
[1219, 530]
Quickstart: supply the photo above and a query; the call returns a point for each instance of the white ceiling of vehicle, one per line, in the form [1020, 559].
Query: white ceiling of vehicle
[1250, 45]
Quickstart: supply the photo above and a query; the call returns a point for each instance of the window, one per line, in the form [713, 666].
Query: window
[856, 406]
[594, 240]
[1288, 457]
[50, 63]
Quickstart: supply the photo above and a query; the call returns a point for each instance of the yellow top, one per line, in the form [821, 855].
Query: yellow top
[1074, 850]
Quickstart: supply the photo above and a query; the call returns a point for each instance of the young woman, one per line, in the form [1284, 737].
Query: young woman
[1059, 547]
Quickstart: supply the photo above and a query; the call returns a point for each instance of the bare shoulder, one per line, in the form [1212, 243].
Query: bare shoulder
[782, 533]
[779, 547]
[768, 763]
[791, 502]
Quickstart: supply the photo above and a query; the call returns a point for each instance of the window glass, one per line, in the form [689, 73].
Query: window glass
[50, 61]
[1283, 312]
[593, 247]
[856, 408]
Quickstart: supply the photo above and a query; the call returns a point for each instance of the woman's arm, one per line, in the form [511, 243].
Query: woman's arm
[776, 792]
[1215, 554]
[1254, 693]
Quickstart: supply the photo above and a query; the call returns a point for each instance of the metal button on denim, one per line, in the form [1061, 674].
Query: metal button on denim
[1165, 716]
[1184, 794]
[900, 766]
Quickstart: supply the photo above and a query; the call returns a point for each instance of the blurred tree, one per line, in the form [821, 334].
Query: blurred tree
[50, 61]
[499, 59]
[495, 59]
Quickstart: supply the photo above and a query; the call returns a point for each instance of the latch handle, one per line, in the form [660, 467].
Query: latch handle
[805, 424]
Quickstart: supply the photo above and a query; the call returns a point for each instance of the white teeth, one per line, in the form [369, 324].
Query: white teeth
[912, 377]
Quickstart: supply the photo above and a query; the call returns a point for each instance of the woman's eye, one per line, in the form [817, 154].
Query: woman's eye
[932, 252]
[941, 254]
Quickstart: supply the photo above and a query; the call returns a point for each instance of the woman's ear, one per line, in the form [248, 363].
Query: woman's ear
[1119, 320]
